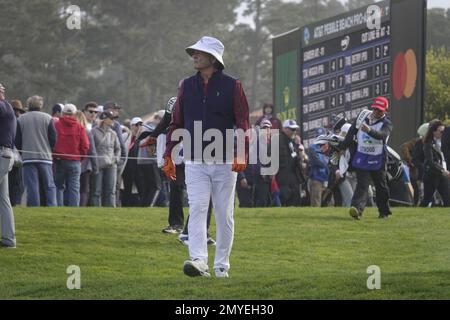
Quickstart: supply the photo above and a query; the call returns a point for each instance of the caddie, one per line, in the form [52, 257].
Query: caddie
[372, 129]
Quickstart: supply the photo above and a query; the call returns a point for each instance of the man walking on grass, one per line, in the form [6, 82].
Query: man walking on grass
[372, 130]
[216, 101]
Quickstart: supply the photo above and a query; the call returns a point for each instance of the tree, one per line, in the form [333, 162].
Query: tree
[272, 17]
[142, 46]
[355, 4]
[38, 54]
[129, 52]
[437, 101]
[438, 28]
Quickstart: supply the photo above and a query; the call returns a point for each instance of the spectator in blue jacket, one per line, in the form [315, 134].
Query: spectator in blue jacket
[318, 171]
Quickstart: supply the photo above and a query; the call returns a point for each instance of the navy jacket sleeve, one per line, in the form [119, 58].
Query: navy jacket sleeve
[177, 121]
[18, 141]
[162, 126]
[52, 135]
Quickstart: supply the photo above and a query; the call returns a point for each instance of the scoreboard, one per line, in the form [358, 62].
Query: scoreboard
[343, 68]
[337, 66]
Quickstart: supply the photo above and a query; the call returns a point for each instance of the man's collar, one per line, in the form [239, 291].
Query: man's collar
[214, 75]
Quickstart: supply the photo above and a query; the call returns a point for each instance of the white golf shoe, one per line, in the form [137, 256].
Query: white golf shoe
[196, 268]
[221, 273]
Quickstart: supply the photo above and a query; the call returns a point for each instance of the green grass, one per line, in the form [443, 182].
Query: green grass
[290, 253]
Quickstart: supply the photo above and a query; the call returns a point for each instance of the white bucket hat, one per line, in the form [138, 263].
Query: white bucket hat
[209, 45]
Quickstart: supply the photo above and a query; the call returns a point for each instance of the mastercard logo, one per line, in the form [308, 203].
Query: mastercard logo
[405, 74]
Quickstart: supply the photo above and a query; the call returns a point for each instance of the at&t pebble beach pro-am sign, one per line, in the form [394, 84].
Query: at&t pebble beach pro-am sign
[348, 60]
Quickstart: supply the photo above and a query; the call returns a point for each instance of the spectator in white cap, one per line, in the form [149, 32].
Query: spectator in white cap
[108, 152]
[131, 179]
[115, 108]
[261, 184]
[72, 146]
[318, 170]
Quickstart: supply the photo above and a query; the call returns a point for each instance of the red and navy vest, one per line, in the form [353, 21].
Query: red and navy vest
[214, 109]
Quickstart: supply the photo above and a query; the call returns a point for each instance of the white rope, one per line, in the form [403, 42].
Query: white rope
[82, 157]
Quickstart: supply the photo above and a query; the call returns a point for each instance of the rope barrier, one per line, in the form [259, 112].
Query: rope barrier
[83, 157]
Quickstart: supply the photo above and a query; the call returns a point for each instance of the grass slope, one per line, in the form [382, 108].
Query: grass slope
[289, 253]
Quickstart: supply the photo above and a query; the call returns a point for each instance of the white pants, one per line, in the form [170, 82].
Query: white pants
[204, 182]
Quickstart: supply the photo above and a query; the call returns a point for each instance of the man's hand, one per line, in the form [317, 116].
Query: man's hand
[446, 174]
[338, 175]
[239, 165]
[147, 142]
[169, 168]
[244, 184]
[365, 128]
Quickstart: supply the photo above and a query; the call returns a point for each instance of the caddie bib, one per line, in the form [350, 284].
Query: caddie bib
[370, 152]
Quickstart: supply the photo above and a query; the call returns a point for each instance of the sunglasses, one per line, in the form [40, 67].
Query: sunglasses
[92, 111]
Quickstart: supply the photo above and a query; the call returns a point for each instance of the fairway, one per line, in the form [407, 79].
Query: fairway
[278, 253]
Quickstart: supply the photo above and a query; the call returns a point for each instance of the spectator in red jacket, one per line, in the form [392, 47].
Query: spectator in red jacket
[71, 147]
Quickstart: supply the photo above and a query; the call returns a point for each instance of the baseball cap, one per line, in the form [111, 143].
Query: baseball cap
[99, 109]
[69, 109]
[265, 124]
[57, 108]
[111, 105]
[292, 124]
[320, 131]
[380, 103]
[106, 115]
[135, 121]
[322, 139]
